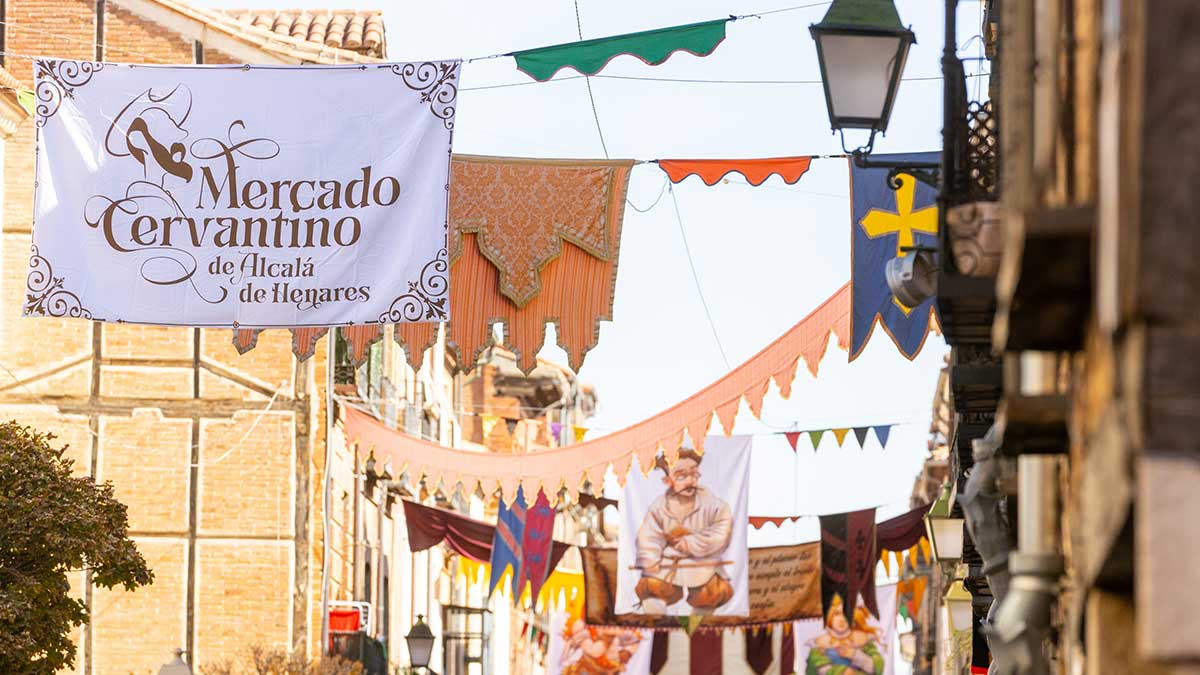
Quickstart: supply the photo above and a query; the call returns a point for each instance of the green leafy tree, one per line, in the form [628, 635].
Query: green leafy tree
[53, 523]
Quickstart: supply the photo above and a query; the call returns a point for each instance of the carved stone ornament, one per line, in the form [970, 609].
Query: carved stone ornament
[976, 238]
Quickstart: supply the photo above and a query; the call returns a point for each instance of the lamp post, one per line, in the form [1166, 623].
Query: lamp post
[944, 530]
[420, 641]
[861, 48]
[177, 666]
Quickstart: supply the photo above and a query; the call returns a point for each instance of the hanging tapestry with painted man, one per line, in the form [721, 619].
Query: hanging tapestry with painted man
[682, 548]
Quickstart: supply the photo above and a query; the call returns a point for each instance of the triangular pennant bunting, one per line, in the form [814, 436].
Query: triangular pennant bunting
[840, 435]
[792, 437]
[815, 437]
[860, 433]
[882, 432]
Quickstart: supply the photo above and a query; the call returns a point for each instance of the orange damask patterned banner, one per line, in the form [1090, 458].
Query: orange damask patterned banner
[529, 241]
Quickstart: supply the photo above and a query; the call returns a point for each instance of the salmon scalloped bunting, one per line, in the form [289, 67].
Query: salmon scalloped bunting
[568, 466]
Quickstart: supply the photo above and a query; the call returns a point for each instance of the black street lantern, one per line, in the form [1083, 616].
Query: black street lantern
[420, 643]
[861, 46]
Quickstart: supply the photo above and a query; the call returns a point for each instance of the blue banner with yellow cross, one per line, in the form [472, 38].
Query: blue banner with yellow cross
[887, 223]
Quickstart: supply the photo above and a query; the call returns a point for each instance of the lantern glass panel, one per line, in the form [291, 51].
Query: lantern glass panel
[420, 649]
[420, 644]
[947, 537]
[960, 614]
[861, 73]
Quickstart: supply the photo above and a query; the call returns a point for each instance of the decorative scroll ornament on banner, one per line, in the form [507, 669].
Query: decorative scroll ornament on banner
[530, 241]
[756, 171]
[570, 466]
[165, 196]
[652, 47]
[887, 224]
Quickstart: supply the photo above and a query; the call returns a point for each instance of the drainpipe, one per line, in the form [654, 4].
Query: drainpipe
[1021, 628]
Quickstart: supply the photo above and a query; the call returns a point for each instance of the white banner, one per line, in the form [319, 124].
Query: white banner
[682, 545]
[242, 196]
[578, 649]
[864, 646]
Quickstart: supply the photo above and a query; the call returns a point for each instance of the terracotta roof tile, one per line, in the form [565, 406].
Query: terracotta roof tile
[359, 31]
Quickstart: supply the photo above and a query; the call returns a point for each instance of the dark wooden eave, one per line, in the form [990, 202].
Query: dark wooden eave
[966, 307]
[1034, 424]
[1044, 288]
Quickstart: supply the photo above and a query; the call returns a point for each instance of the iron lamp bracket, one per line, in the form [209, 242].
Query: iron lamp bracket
[929, 173]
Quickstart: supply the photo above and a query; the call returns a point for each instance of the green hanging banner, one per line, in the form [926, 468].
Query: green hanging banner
[653, 47]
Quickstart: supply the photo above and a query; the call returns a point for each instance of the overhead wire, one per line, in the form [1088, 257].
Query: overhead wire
[661, 192]
[696, 277]
[687, 80]
[588, 81]
[759, 15]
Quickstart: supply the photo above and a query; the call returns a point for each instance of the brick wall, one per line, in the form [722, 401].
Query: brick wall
[227, 536]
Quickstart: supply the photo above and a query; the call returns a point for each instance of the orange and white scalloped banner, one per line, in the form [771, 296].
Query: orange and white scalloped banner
[570, 466]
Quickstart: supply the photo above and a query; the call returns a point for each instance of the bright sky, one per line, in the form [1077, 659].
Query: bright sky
[765, 256]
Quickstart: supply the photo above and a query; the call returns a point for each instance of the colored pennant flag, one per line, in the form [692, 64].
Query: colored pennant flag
[580, 432]
[652, 47]
[756, 171]
[815, 437]
[787, 651]
[886, 223]
[848, 561]
[659, 652]
[758, 649]
[918, 595]
[489, 423]
[28, 100]
[840, 435]
[792, 438]
[506, 544]
[882, 432]
[536, 544]
[860, 433]
[690, 623]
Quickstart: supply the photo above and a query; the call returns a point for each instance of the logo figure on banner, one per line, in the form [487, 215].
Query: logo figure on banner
[233, 197]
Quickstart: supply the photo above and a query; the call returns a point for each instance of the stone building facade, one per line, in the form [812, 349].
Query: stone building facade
[1075, 393]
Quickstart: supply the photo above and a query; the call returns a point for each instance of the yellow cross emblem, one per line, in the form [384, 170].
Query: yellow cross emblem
[903, 222]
